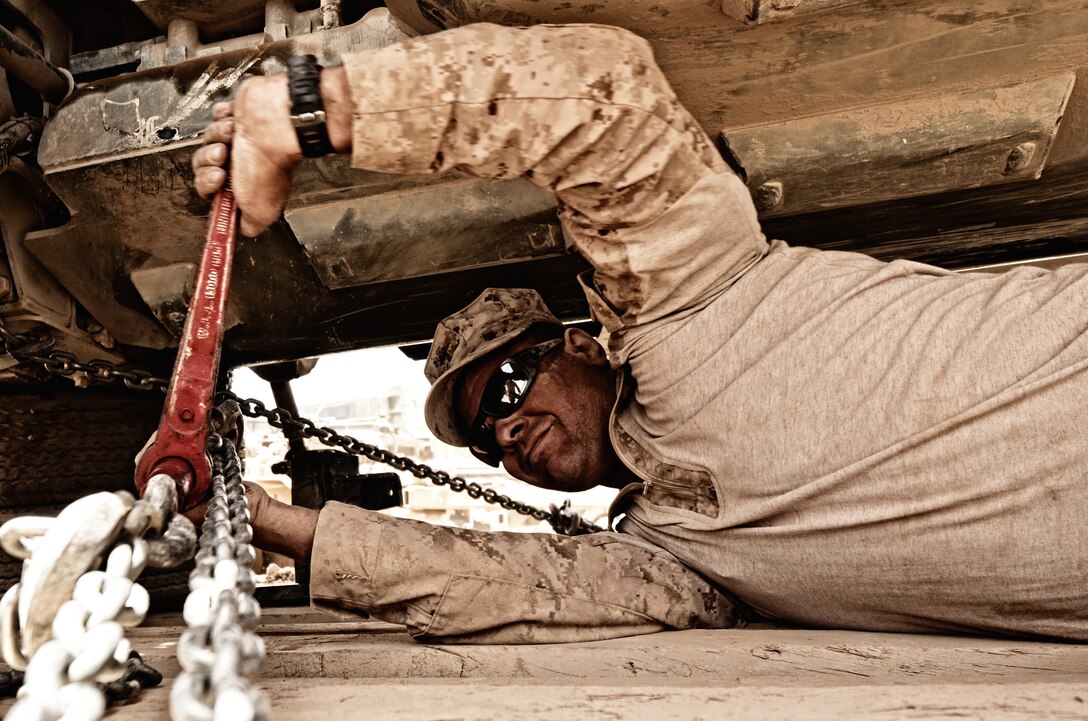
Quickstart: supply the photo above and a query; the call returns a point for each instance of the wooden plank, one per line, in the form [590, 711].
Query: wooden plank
[904, 149]
[639, 699]
[642, 700]
[744, 656]
[751, 674]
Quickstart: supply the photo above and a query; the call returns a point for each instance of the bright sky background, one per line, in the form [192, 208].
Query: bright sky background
[355, 374]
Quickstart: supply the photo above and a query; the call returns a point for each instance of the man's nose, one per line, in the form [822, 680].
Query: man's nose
[509, 429]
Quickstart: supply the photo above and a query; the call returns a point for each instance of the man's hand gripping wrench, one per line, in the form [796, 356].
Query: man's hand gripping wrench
[179, 448]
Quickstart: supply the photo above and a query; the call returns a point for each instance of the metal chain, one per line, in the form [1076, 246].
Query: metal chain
[285, 420]
[36, 347]
[562, 518]
[137, 676]
[10, 683]
[219, 652]
[66, 646]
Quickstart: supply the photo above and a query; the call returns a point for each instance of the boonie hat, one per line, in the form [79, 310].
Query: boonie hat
[497, 316]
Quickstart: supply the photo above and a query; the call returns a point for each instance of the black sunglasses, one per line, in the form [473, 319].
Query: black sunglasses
[503, 394]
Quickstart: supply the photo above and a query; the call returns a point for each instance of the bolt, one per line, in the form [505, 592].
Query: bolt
[186, 414]
[769, 195]
[1019, 158]
[103, 338]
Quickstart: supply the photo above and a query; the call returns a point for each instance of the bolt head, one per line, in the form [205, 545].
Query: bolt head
[769, 195]
[1019, 158]
[186, 414]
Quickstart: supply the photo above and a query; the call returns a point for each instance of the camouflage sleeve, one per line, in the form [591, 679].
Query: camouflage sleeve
[584, 111]
[461, 586]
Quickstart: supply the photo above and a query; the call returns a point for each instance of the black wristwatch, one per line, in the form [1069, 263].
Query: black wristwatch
[307, 109]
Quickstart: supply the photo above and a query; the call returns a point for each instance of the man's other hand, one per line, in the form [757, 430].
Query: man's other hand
[256, 497]
[277, 527]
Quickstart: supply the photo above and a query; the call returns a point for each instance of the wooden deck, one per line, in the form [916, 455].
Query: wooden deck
[323, 669]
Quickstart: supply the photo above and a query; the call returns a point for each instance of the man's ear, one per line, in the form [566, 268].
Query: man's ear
[577, 342]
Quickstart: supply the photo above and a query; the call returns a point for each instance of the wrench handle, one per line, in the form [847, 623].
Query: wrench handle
[180, 446]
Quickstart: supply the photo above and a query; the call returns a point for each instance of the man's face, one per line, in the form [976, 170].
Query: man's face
[558, 436]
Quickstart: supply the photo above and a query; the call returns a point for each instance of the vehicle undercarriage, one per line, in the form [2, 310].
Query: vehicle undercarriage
[947, 133]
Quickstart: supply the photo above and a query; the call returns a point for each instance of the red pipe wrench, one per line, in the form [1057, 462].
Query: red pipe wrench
[179, 448]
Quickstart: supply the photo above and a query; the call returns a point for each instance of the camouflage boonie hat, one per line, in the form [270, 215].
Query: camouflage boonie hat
[497, 316]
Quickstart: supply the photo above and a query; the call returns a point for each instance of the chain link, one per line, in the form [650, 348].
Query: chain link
[86, 645]
[219, 652]
[562, 518]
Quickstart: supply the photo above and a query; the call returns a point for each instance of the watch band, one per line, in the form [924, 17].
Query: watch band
[307, 109]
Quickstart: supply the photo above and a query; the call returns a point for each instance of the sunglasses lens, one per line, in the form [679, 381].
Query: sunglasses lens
[505, 390]
[490, 459]
[484, 447]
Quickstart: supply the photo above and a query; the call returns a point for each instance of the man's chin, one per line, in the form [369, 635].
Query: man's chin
[566, 474]
[569, 483]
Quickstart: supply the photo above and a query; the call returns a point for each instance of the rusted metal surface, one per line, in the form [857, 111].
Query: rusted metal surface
[22, 61]
[30, 297]
[216, 16]
[55, 36]
[430, 230]
[146, 110]
[365, 259]
[142, 209]
[900, 150]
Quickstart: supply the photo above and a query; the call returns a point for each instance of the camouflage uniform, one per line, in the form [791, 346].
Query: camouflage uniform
[838, 441]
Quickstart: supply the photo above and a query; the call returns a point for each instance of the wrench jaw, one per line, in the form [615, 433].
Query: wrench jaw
[192, 483]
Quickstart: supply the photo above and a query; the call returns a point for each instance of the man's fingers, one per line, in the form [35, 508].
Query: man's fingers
[219, 131]
[263, 150]
[214, 154]
[208, 174]
[222, 110]
[209, 180]
[196, 515]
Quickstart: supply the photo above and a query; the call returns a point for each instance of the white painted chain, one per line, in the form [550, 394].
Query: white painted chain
[89, 643]
[219, 652]
[84, 643]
